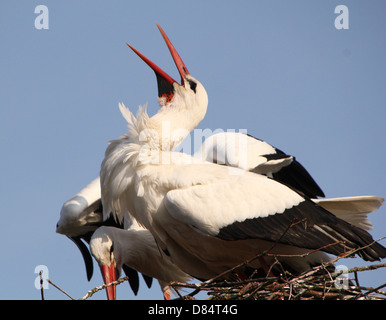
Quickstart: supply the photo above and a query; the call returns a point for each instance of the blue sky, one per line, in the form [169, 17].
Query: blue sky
[279, 69]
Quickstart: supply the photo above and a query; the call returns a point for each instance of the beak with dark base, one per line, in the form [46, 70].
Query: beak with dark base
[164, 81]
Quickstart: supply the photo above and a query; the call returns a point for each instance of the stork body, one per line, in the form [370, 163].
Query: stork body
[246, 152]
[249, 153]
[209, 218]
[206, 217]
[81, 220]
[80, 216]
[112, 248]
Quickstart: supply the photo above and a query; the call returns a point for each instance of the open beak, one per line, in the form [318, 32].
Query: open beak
[176, 57]
[164, 81]
[109, 275]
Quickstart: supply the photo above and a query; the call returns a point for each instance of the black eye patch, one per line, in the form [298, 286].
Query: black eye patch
[193, 85]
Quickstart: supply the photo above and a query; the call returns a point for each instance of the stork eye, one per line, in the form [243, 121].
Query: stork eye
[111, 249]
[193, 85]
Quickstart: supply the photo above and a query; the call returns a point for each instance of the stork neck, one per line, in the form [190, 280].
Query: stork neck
[173, 125]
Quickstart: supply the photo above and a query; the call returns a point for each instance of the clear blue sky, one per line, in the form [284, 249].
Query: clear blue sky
[279, 69]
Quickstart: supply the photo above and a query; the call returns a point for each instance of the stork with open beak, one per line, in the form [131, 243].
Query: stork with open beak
[185, 104]
[206, 217]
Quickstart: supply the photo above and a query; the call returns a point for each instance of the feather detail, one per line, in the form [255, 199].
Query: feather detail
[139, 146]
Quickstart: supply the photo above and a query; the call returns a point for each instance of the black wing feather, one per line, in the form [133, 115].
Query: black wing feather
[86, 256]
[148, 280]
[309, 226]
[133, 278]
[296, 176]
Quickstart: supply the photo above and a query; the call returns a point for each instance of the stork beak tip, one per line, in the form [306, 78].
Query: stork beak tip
[109, 275]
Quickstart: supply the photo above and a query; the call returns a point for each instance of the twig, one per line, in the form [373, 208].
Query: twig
[61, 290]
[41, 285]
[356, 278]
[313, 284]
[256, 256]
[175, 289]
[377, 289]
[365, 268]
[96, 289]
[309, 285]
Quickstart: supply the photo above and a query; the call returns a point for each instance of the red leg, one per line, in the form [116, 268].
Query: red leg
[265, 267]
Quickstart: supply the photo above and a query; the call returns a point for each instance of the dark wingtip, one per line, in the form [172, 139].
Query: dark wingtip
[86, 256]
[133, 278]
[148, 280]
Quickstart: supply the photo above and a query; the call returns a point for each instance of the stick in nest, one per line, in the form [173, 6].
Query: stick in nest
[312, 284]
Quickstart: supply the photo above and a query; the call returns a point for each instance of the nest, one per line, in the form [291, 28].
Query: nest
[307, 286]
[319, 283]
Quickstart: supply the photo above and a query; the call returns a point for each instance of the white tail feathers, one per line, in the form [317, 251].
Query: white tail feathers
[354, 210]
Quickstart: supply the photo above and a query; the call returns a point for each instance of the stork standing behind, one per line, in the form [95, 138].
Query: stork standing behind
[249, 153]
[82, 214]
[206, 217]
[81, 220]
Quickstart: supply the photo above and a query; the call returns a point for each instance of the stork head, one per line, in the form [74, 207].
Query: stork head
[82, 213]
[106, 253]
[188, 98]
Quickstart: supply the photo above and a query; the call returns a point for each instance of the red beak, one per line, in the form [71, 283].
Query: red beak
[152, 65]
[165, 89]
[109, 275]
[176, 57]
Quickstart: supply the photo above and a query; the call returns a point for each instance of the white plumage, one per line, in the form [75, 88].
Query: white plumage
[136, 248]
[191, 208]
[352, 209]
[207, 217]
[242, 151]
[80, 215]
[246, 152]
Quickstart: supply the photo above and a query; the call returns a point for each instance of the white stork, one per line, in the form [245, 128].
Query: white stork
[206, 217]
[249, 153]
[82, 213]
[243, 151]
[80, 216]
[115, 249]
